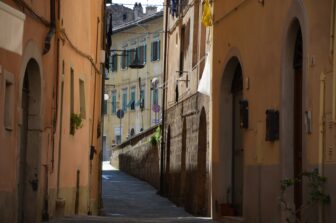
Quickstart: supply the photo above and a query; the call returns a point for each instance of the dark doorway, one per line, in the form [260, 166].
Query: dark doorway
[183, 180]
[297, 66]
[237, 146]
[168, 163]
[29, 165]
[202, 194]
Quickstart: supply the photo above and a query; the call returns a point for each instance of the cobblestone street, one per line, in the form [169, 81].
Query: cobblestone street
[127, 199]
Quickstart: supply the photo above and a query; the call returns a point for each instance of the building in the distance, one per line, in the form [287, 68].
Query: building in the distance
[134, 91]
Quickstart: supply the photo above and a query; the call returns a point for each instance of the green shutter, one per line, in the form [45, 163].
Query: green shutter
[159, 50]
[145, 52]
[152, 51]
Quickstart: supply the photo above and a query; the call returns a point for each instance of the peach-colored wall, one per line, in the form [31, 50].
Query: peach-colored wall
[80, 24]
[257, 35]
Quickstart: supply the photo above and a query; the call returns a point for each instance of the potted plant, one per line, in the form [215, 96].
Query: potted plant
[76, 122]
[226, 208]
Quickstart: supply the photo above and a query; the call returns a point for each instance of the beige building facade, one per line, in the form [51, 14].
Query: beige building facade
[186, 154]
[137, 92]
[48, 54]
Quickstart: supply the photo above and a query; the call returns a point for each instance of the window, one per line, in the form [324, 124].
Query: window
[124, 100]
[142, 97]
[132, 102]
[82, 98]
[182, 50]
[155, 96]
[8, 115]
[131, 56]
[114, 102]
[114, 63]
[72, 76]
[156, 50]
[105, 107]
[124, 59]
[142, 54]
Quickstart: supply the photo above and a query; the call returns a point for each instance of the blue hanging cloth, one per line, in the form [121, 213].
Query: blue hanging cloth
[174, 8]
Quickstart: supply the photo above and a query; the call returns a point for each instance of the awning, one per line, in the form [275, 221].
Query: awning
[204, 84]
[11, 26]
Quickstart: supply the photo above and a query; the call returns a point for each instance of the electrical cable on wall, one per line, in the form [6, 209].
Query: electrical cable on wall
[62, 33]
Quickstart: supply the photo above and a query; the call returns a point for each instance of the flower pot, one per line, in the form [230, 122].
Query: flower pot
[226, 210]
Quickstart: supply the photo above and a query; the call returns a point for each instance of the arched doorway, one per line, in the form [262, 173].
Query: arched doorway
[292, 109]
[291, 120]
[237, 145]
[183, 180]
[232, 153]
[168, 163]
[30, 145]
[202, 194]
[297, 66]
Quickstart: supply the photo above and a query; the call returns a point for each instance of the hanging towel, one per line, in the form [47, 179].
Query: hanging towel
[204, 84]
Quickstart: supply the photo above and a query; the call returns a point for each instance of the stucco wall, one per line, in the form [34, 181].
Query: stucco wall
[257, 35]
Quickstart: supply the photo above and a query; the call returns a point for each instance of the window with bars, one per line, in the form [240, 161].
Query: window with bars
[156, 50]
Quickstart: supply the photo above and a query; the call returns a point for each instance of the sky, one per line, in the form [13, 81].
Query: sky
[143, 2]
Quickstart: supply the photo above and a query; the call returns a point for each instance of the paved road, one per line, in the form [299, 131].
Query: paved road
[129, 200]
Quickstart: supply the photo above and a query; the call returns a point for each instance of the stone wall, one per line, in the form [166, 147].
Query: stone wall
[187, 155]
[139, 158]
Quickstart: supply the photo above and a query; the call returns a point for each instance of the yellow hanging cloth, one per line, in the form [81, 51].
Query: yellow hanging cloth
[207, 16]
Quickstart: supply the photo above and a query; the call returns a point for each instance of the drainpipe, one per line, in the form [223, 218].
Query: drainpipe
[52, 28]
[164, 100]
[333, 52]
[321, 134]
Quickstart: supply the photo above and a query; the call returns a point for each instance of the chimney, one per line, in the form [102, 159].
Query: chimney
[151, 10]
[138, 11]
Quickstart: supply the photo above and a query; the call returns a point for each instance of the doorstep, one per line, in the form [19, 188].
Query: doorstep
[231, 219]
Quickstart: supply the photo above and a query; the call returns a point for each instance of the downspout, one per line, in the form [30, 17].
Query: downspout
[333, 53]
[100, 206]
[164, 100]
[52, 27]
[321, 135]
[47, 45]
[92, 147]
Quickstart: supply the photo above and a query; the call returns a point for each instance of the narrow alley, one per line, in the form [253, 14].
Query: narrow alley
[127, 199]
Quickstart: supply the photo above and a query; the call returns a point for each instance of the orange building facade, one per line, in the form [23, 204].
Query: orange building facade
[272, 107]
[51, 78]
